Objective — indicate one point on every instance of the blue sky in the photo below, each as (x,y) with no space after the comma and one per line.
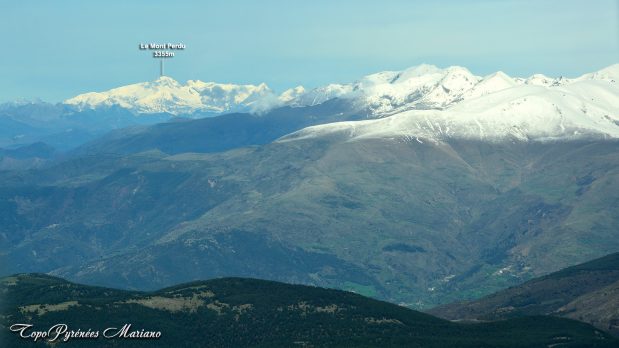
(57,49)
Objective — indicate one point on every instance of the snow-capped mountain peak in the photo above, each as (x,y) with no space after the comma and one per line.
(424,86)
(490,84)
(165,81)
(166,95)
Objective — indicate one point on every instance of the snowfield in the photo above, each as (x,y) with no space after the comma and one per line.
(497,108)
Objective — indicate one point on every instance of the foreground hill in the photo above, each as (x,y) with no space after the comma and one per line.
(588,292)
(236,312)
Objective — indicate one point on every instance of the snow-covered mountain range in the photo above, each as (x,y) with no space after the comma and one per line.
(422,101)
(388,92)
(167,95)
(533,113)
(456,104)
(428,87)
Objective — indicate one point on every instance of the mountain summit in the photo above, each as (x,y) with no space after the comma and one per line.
(166,95)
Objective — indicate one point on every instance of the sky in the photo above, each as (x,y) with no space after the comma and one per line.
(54,50)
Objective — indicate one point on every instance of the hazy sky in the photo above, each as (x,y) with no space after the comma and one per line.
(57,49)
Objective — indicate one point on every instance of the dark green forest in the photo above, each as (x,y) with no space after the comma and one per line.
(240,312)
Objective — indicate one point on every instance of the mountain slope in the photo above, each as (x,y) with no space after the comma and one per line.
(600,308)
(216,134)
(579,110)
(587,292)
(418,223)
(236,312)
(61,126)
(24,157)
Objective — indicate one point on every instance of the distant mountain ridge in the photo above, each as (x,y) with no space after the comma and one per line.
(166,95)
(30,156)
(384,93)
(428,101)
